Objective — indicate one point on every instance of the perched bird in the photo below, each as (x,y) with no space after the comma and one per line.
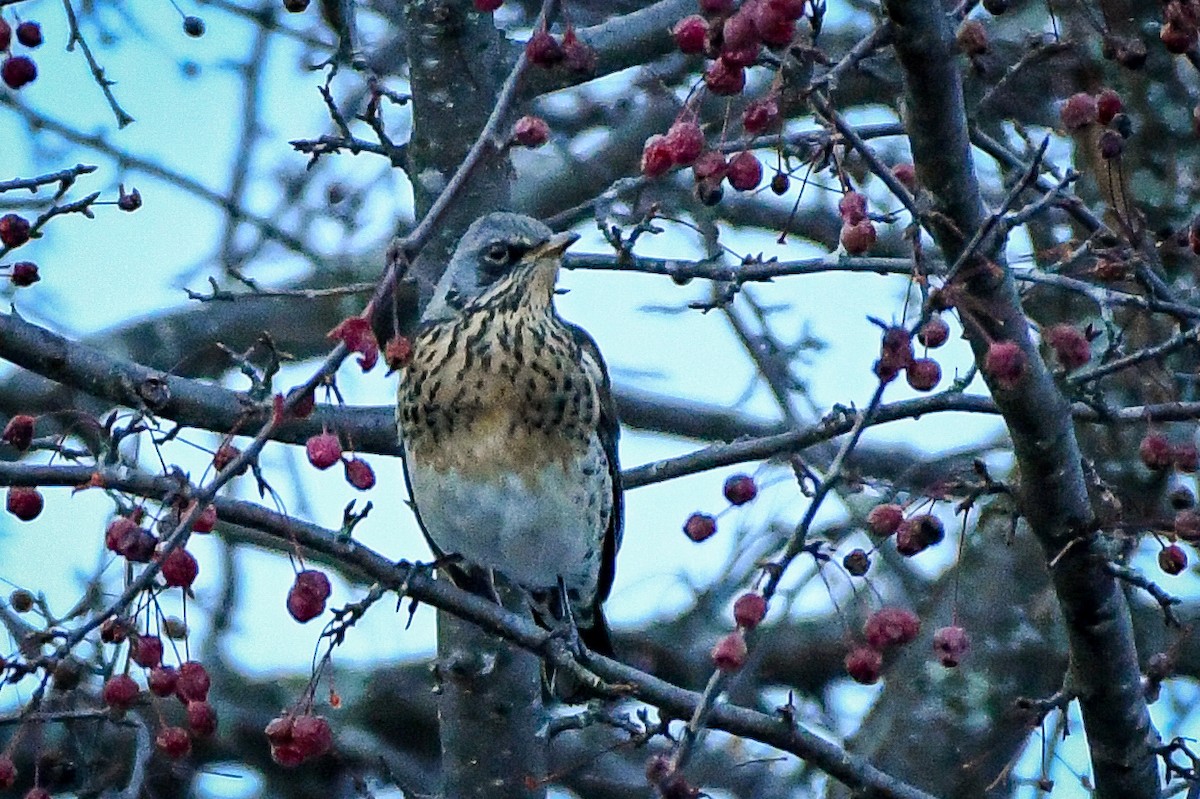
(509,428)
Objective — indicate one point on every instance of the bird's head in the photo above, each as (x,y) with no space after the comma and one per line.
(500,253)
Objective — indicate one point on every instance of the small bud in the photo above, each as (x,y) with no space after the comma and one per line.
(950,644)
(740,489)
(730,652)
(529,131)
(749,610)
(700,527)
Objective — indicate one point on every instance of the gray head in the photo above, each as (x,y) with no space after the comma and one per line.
(490,248)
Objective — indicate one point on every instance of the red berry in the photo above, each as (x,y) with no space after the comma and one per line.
(24,274)
(174,742)
(740,31)
(312,735)
(1155,452)
(853,207)
(700,527)
(488,6)
(543,49)
(856,563)
(780,183)
(1111,145)
(918,533)
(279,729)
(206,521)
(934,333)
(774,26)
(690,34)
(723,78)
(716,8)
(749,610)
(1176,38)
(1108,105)
(202,719)
(792,9)
(5,34)
(730,652)
(1187,525)
(906,174)
(193,682)
(359,474)
(120,692)
(972,38)
(1185,457)
(19,431)
(685,142)
(163,680)
(130,541)
(323,450)
(1005,363)
(146,651)
(1172,559)
(896,347)
(710,166)
(179,570)
(891,627)
(25,502)
(306,598)
(18,71)
(14,229)
(578,55)
(8,770)
(740,489)
(529,131)
(1079,111)
(398,351)
(760,116)
(656,156)
(858,238)
(950,644)
(864,665)
(29,34)
(924,374)
(745,171)
(883,520)
(225,455)
(356,333)
(1070,346)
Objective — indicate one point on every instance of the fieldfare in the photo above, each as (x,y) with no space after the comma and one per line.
(509,427)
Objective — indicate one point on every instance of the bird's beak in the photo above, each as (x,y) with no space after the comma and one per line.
(555,246)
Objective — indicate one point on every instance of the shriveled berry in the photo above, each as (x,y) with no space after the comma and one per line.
(295,6)
(906,174)
(1108,105)
(8,769)
(950,644)
(37,793)
(24,274)
(25,502)
(780,183)
(685,141)
(206,521)
(279,729)
(578,55)
(864,665)
(128,201)
(656,156)
(730,652)
(14,229)
(202,719)
(749,609)
(359,474)
(741,57)
(934,333)
(858,238)
(700,527)
(1070,346)
(225,455)
(1172,559)
(883,520)
(972,38)
(1181,498)
(924,374)
(19,431)
(180,568)
(1005,363)
(146,651)
(114,631)
(853,207)
(856,563)
(312,735)
(21,600)
(68,673)
(18,71)
(120,692)
(740,489)
(1185,457)
(774,25)
(323,450)
(193,683)
(891,627)
(745,171)
(725,79)
(690,34)
(163,680)
(174,742)
(918,533)
(710,165)
(306,598)
(1111,145)
(1079,111)
(396,354)
(5,34)
(1155,452)
(193,26)
(740,31)
(529,131)
(760,116)
(543,49)
(715,8)
(1187,525)
(1176,38)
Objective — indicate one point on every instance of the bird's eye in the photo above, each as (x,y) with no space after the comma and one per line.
(498,253)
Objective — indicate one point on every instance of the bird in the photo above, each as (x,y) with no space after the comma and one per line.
(509,429)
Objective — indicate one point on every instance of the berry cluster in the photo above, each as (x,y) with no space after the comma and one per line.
(18,70)
(739,489)
(544,50)
(1158,454)
(325,449)
(297,738)
(1080,111)
(896,350)
(914,534)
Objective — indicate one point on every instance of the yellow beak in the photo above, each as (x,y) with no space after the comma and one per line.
(553,247)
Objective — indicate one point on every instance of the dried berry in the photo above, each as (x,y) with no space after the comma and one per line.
(18,71)
(883,520)
(193,682)
(1185,457)
(312,735)
(690,34)
(950,644)
(918,533)
(1181,498)
(1079,111)
(21,600)
(306,598)
(529,131)
(24,274)
(543,49)
(724,78)
(1155,452)
(856,563)
(14,229)
(924,374)
(853,207)
(749,610)
(128,201)
(685,142)
(295,6)
(163,680)
(740,31)
(120,692)
(5,34)
(891,627)
(487,6)
(356,333)
(864,665)
(745,171)
(780,184)
(710,166)
(578,55)
(146,651)
(1005,363)
(656,156)
(740,489)
(858,238)
(907,175)
(1187,525)
(206,521)
(972,38)
(174,742)
(24,502)
(8,770)
(323,450)
(1108,105)
(202,719)
(19,431)
(700,527)
(1172,559)
(760,116)
(1111,145)
(714,8)
(179,569)
(1071,347)
(934,333)
(359,474)
(776,28)
(730,652)
(193,26)
(1177,38)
